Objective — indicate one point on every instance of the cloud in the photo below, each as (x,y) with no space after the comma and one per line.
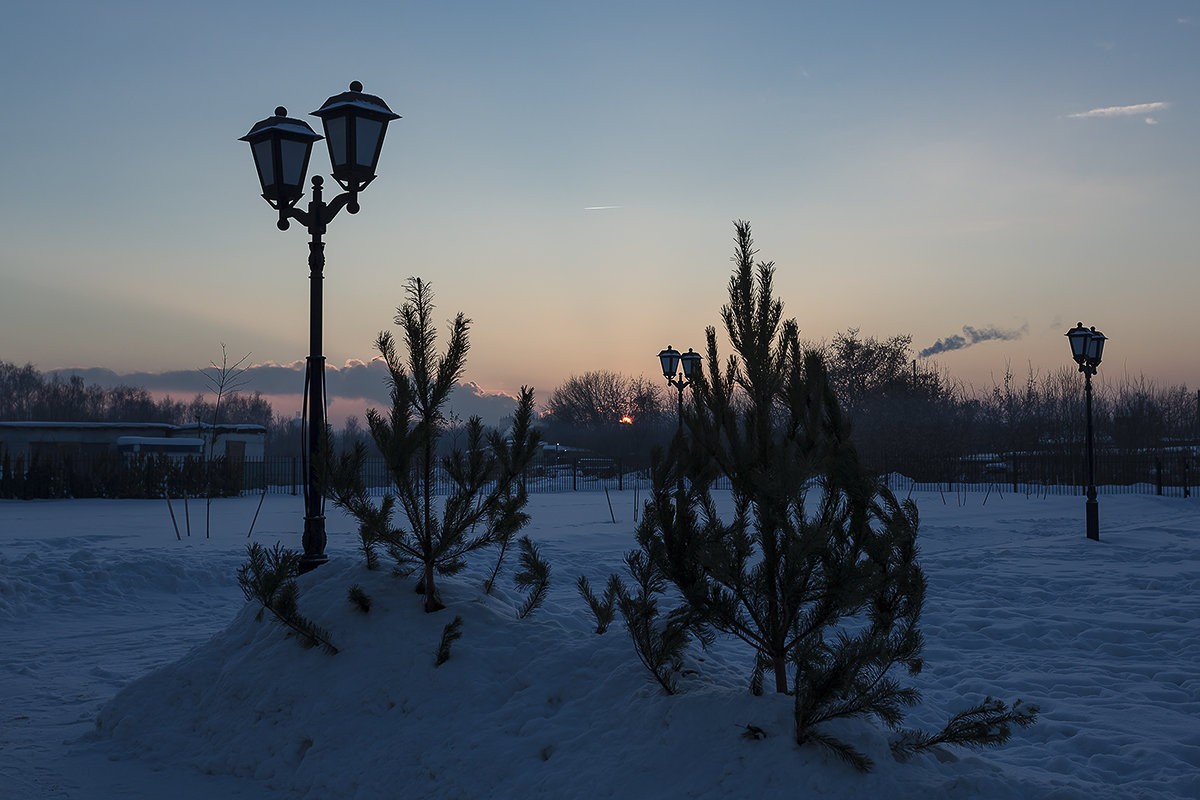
(1121,111)
(600,208)
(355,387)
(972,336)
(1151,121)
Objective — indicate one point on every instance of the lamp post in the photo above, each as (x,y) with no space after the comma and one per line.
(354,124)
(671,360)
(1087,348)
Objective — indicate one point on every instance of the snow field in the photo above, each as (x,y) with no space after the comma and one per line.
(105,616)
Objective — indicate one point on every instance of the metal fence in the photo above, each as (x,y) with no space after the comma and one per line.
(1166,471)
(285,475)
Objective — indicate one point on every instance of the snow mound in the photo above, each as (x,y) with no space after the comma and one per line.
(541,707)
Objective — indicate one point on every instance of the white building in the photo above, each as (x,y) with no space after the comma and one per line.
(39,440)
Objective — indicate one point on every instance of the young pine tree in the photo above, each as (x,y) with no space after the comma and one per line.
(816,570)
(484,503)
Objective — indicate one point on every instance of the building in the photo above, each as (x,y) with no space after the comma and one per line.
(50,440)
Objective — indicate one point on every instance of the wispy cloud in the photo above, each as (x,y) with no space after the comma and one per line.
(600,208)
(972,336)
(1122,111)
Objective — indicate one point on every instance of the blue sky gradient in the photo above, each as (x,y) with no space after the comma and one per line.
(911,168)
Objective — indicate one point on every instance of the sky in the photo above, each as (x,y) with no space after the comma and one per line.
(567,175)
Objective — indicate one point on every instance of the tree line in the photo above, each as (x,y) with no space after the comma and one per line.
(895,403)
(27,395)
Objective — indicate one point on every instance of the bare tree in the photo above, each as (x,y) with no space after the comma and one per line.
(224,380)
(602,398)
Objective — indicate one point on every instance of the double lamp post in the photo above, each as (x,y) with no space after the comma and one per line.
(1087,348)
(671,360)
(355,124)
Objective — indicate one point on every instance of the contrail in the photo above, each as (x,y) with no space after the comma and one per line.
(972,336)
(600,208)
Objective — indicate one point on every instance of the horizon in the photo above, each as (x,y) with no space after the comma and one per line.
(568,175)
(357,386)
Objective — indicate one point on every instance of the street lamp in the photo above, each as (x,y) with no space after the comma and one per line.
(1087,348)
(355,124)
(671,359)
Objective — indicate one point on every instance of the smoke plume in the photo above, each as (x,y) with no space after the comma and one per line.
(972,336)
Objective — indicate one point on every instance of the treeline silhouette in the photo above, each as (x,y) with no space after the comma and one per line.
(900,406)
(903,408)
(28,395)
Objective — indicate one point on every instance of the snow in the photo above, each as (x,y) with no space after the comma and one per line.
(131,666)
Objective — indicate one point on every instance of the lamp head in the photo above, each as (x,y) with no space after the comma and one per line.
(355,124)
(691,364)
(281,146)
(1079,337)
(669,359)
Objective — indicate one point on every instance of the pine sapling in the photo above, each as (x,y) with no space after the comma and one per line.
(603,610)
(534,576)
(816,570)
(451,633)
(439,528)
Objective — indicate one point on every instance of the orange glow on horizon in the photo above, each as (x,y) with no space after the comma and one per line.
(626,420)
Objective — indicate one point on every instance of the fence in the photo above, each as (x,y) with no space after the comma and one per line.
(1167,471)
(286,475)
(113,475)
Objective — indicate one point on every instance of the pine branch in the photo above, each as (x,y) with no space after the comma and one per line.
(837,747)
(359,598)
(988,724)
(604,610)
(658,645)
(269,578)
(451,633)
(534,575)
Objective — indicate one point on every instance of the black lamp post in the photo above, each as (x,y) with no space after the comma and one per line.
(1087,348)
(671,359)
(355,124)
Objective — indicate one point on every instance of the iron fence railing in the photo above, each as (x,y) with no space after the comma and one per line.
(1163,471)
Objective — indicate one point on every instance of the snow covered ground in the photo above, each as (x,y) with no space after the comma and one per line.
(105,616)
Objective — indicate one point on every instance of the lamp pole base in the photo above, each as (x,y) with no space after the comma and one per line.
(1093,518)
(314,544)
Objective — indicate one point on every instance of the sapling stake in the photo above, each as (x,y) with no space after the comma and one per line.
(173,522)
(260,502)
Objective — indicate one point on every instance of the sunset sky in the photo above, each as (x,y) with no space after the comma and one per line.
(567,175)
